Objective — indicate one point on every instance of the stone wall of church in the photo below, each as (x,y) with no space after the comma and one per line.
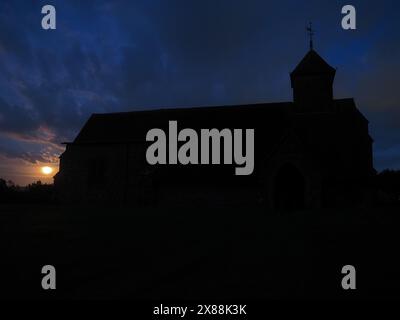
(92,173)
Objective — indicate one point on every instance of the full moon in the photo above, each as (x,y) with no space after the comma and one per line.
(47,170)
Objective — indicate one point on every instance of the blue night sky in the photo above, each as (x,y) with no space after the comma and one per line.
(129,55)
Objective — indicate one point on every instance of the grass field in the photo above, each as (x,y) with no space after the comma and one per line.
(202,253)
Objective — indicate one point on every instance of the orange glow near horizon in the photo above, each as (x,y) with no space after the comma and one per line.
(23,173)
(46,170)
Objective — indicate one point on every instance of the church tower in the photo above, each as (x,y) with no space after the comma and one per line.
(312,80)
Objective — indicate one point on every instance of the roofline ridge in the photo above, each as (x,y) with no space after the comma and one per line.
(191,108)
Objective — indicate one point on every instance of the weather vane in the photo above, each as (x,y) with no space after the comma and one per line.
(310,34)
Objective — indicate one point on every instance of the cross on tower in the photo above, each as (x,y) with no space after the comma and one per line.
(310,34)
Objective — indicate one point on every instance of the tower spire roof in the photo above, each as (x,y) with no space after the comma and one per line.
(312,63)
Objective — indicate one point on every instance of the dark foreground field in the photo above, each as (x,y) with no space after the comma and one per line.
(203,253)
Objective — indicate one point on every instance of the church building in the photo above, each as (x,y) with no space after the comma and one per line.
(312,152)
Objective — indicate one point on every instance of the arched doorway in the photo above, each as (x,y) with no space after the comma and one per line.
(289,189)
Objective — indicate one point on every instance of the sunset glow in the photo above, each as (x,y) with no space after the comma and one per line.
(47,170)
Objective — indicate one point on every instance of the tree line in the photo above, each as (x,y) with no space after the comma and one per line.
(36,192)
(386,184)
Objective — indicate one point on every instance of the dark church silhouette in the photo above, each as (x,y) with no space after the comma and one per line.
(310,153)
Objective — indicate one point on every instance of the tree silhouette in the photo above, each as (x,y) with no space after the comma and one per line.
(36,192)
(388,182)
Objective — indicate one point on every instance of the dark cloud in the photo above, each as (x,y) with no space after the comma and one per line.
(40,154)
